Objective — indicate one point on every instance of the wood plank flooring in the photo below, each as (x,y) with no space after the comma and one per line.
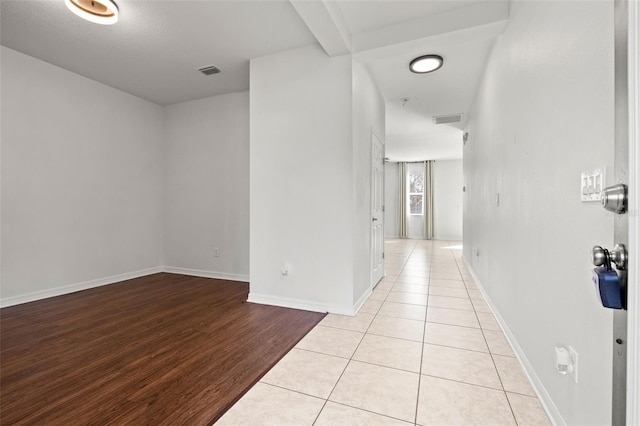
(163,349)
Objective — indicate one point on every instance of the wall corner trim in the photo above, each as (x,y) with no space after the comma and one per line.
(361,301)
(544,397)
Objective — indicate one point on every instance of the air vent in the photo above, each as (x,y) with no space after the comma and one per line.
(209,70)
(444,119)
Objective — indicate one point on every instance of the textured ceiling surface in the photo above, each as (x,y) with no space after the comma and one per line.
(156,48)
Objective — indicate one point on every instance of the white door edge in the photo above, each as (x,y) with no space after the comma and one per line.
(633,355)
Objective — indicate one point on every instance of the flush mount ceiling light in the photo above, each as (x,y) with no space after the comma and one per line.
(426,63)
(103,12)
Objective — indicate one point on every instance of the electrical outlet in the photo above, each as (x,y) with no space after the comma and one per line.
(284,270)
(216,252)
(573,357)
(476,252)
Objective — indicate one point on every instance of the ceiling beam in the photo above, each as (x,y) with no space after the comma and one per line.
(464,18)
(325,21)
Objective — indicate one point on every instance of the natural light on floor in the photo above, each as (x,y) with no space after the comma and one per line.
(424,349)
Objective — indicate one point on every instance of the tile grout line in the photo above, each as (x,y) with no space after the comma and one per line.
(346,366)
(424,333)
(513,414)
(416,250)
(420,373)
(341,374)
(466,383)
(372,412)
(336,384)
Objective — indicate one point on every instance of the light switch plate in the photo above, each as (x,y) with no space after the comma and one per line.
(591,185)
(573,355)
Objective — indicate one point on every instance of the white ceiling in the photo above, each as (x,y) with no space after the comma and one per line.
(410,132)
(155,49)
(370,15)
(462,32)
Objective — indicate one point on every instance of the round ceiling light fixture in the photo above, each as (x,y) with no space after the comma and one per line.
(426,63)
(103,12)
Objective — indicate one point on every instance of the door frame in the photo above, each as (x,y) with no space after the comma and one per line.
(372,284)
(633,296)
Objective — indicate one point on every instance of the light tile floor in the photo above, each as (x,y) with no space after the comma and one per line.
(424,349)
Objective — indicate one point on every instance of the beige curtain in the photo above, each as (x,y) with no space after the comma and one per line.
(402,201)
(428,200)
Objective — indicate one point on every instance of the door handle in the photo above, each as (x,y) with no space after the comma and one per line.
(374,219)
(618,256)
(611,285)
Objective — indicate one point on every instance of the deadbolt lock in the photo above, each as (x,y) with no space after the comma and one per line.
(614,198)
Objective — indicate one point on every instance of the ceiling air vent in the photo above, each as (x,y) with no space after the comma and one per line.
(444,119)
(209,70)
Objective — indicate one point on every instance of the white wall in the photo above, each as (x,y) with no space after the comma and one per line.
(81,181)
(391,200)
(368,116)
(543,114)
(207,186)
(447,200)
(301,180)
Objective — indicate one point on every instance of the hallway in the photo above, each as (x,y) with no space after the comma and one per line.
(424,349)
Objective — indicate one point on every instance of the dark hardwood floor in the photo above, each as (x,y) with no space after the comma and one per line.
(163,349)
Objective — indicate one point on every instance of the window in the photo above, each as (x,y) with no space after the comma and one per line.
(416,196)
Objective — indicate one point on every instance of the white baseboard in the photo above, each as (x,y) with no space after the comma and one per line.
(304,305)
(448,238)
(206,274)
(545,399)
(361,301)
(72,288)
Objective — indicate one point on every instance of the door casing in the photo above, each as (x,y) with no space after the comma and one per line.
(377,209)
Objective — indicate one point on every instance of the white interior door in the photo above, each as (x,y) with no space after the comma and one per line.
(623,169)
(377,209)
(633,301)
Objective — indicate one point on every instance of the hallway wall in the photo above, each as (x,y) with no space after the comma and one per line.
(391,200)
(447,200)
(543,114)
(368,112)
